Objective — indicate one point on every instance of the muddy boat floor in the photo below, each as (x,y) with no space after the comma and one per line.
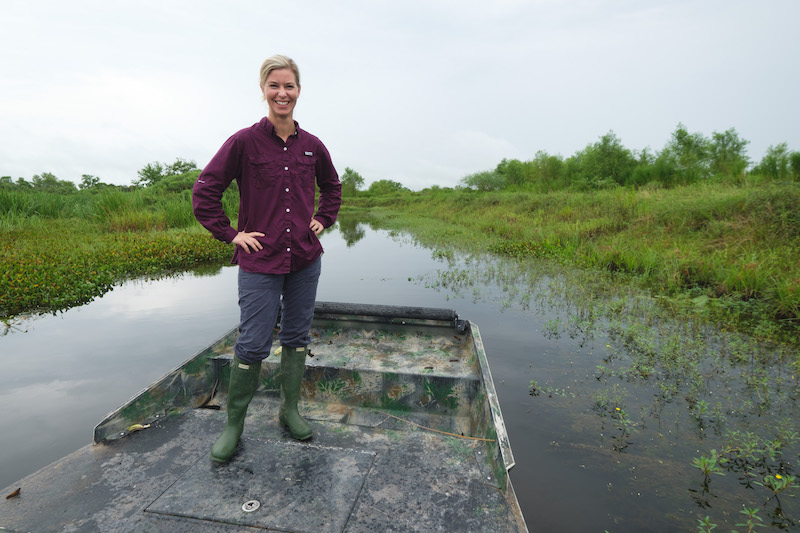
(382,474)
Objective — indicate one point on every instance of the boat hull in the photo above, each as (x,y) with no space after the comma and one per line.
(408,436)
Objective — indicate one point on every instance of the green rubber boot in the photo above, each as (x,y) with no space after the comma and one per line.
(244,382)
(293,363)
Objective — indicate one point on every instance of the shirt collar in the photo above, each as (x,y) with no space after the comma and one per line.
(267,125)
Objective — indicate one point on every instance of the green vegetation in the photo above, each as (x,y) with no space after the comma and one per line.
(686,159)
(61,247)
(730,248)
(58,264)
(351,182)
(708,238)
(690,221)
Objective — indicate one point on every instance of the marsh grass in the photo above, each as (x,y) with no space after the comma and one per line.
(737,245)
(15,207)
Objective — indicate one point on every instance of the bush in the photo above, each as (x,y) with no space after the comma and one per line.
(485,181)
(385,187)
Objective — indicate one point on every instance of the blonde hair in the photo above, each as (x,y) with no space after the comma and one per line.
(274,63)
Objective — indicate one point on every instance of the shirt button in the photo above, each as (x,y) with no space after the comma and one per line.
(284,148)
(285,168)
(288,249)
(288,230)
(286,189)
(287,209)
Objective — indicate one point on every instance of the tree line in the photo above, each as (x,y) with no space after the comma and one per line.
(687,158)
(175,176)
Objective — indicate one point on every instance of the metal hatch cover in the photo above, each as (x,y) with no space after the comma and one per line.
(274,485)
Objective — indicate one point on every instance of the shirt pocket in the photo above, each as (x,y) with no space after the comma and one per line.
(264,171)
(306,167)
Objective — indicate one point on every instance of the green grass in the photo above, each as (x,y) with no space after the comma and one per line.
(738,246)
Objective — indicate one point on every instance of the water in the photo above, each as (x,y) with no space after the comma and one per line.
(576,469)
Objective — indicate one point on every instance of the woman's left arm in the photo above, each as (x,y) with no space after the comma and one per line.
(330,191)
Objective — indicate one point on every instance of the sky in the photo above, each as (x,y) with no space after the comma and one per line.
(423,92)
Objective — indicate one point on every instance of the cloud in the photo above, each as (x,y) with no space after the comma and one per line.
(420,92)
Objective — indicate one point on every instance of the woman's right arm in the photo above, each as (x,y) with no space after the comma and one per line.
(210,186)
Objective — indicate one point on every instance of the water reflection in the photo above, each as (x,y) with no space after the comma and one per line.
(351,230)
(11,325)
(607,397)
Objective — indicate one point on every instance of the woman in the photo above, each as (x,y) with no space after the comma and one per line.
(276,165)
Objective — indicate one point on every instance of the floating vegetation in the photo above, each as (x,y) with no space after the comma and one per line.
(68,263)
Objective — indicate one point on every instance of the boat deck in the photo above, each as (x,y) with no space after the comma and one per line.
(347,478)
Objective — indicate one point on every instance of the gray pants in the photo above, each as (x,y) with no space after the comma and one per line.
(259,302)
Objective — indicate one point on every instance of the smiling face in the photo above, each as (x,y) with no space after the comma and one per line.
(281,91)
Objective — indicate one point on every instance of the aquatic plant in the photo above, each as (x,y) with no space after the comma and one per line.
(724,380)
(61,264)
(709,464)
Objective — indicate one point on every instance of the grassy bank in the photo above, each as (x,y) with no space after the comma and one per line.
(732,249)
(724,247)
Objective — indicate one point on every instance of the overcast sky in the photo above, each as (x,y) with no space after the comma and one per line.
(420,92)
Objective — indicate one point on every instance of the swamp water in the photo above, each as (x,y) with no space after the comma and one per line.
(612,406)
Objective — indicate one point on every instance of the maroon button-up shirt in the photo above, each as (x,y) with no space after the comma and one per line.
(276,196)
